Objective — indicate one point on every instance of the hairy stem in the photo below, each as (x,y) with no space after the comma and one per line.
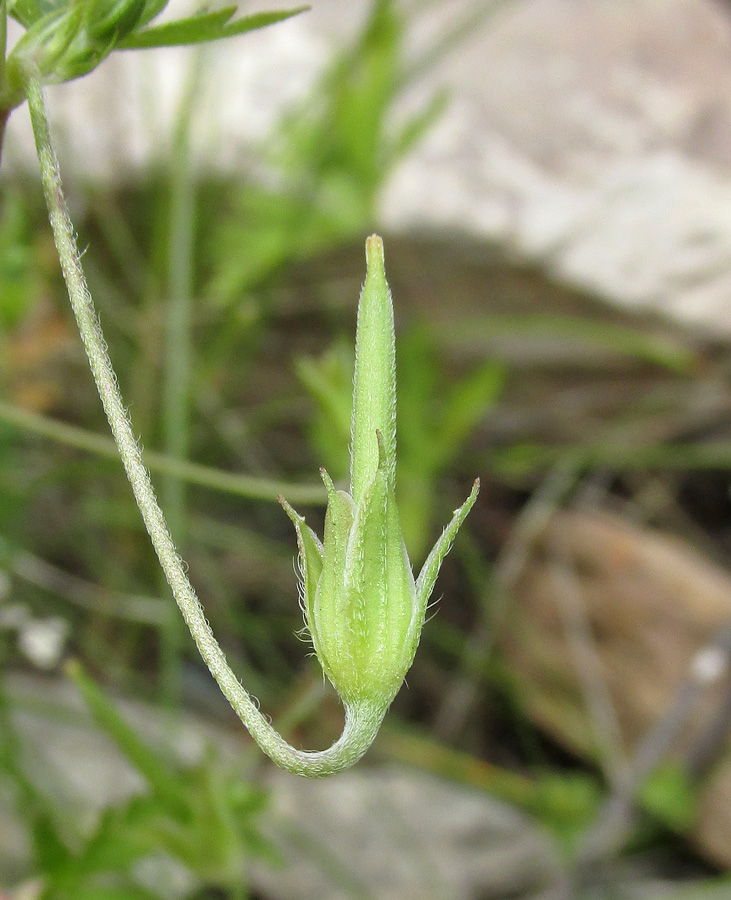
(362,720)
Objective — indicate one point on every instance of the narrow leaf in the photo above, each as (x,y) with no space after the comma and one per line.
(428,575)
(153,8)
(190,30)
(199,29)
(468,402)
(310,559)
(161,777)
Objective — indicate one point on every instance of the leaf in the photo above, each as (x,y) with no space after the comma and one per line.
(101,893)
(670,796)
(153,8)
(428,575)
(191,30)
(565,803)
(310,562)
(113,21)
(27,11)
(467,404)
(207,27)
(418,125)
(162,778)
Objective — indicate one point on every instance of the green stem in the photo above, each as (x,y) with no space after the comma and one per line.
(362,720)
(3,39)
(4,110)
(249,486)
(4,116)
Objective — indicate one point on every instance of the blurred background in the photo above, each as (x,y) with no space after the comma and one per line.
(552,179)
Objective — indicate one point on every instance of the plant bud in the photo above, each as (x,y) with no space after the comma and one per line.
(363,609)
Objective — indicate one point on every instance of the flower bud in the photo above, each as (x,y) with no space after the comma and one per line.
(363,609)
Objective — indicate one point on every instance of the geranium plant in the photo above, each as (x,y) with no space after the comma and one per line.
(363,607)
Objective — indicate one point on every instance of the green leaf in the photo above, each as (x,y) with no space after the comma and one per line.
(330,382)
(161,777)
(468,403)
(670,796)
(428,575)
(153,8)
(565,803)
(207,27)
(310,561)
(113,20)
(27,11)
(190,30)
(417,126)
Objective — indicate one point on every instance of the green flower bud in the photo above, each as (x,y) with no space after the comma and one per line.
(362,606)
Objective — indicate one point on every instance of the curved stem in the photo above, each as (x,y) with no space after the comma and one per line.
(361,719)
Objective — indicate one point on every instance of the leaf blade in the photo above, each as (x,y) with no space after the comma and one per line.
(203,28)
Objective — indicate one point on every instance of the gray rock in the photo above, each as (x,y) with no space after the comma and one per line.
(396,834)
(371,832)
(593,136)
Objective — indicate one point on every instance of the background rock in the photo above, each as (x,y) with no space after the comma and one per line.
(616,632)
(376,832)
(590,135)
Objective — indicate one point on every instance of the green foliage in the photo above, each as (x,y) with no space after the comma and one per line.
(19,265)
(670,797)
(202,28)
(202,816)
(332,155)
(566,803)
(65,39)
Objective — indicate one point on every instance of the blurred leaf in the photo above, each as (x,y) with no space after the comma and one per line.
(330,158)
(207,27)
(671,797)
(467,404)
(566,802)
(199,815)
(113,19)
(418,126)
(19,282)
(29,11)
(107,893)
(161,777)
(329,381)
